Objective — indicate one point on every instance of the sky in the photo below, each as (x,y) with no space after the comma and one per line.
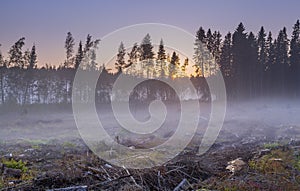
(45,23)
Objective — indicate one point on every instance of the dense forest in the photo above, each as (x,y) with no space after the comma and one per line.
(253,66)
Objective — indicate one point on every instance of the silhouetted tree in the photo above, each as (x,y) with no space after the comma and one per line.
(33,58)
(93,65)
(209,40)
(200,35)
(161,59)
(226,57)
(69,46)
(146,48)
(295,58)
(16,55)
(28,77)
(174,65)
(200,43)
(120,62)
(262,58)
(89,53)
(147,55)
(270,49)
(79,56)
(216,49)
(253,69)
(240,62)
(281,64)
(214,45)
(133,57)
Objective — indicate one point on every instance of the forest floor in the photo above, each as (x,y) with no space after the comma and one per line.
(255,150)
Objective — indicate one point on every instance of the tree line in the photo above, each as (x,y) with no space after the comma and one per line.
(253,65)
(261,65)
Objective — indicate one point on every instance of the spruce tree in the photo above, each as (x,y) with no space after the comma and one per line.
(239,55)
(254,70)
(146,48)
(161,60)
(133,57)
(200,35)
(147,55)
(79,56)
(15,54)
(33,58)
(89,53)
(269,68)
(161,54)
(216,48)
(69,46)
(120,62)
(262,58)
(200,49)
(174,65)
(281,67)
(226,57)
(28,78)
(295,58)
(261,43)
(209,40)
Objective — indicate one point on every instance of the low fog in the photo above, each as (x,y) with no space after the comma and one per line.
(245,121)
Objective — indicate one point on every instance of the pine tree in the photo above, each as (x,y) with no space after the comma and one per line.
(295,58)
(120,62)
(93,66)
(209,40)
(161,54)
(240,62)
(88,44)
(133,57)
(214,46)
(26,59)
(202,58)
(33,58)
(199,47)
(200,35)
(89,53)
(16,55)
(174,65)
(161,60)
(216,49)
(281,65)
(146,48)
(147,55)
(226,56)
(261,43)
(15,74)
(79,56)
(270,49)
(262,58)
(28,78)
(254,71)
(69,46)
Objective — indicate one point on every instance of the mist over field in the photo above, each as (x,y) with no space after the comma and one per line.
(261,120)
(94,97)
